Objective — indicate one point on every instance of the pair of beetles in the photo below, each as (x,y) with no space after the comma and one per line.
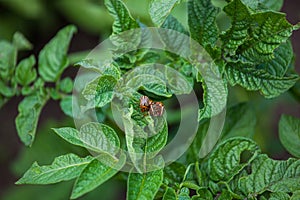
(155,109)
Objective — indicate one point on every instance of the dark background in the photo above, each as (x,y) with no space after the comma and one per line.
(39,22)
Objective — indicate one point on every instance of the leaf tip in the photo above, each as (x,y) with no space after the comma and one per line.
(54,130)
(19,182)
(72,28)
(296,26)
(74,195)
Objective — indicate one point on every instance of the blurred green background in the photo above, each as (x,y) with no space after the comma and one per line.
(39,20)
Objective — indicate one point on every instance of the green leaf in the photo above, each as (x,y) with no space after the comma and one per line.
(63,168)
(215,92)
(279,196)
(100,68)
(249,35)
(225,195)
(193,178)
(296,195)
(8,57)
(6,91)
(173,40)
(54,93)
(66,85)
(280,64)
(39,84)
(272,5)
(66,105)
(172,23)
(191,185)
(159,81)
(240,121)
(100,90)
(25,71)
(289,134)
(160,9)
(27,119)
(202,22)
(202,179)
(258,80)
(251,4)
(184,67)
(233,184)
(214,187)
(94,136)
(27,90)
(143,186)
(20,42)
(150,83)
(204,192)
(123,20)
(174,173)
(177,82)
(144,141)
(271,175)
(264,4)
(145,38)
(94,174)
(225,161)
(170,194)
(261,46)
(130,134)
(53,57)
(206,111)
(156,142)
(194,150)
(150,57)
(238,32)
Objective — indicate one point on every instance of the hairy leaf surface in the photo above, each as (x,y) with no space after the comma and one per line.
(160,9)
(225,161)
(95,174)
(27,119)
(271,175)
(25,72)
(202,22)
(63,168)
(289,134)
(123,20)
(259,80)
(143,186)
(94,136)
(53,57)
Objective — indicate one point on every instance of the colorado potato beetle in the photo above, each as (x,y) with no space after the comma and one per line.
(155,109)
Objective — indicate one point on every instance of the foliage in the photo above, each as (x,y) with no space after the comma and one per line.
(22,79)
(254,53)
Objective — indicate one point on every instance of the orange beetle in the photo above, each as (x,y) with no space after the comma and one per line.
(145,103)
(155,109)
